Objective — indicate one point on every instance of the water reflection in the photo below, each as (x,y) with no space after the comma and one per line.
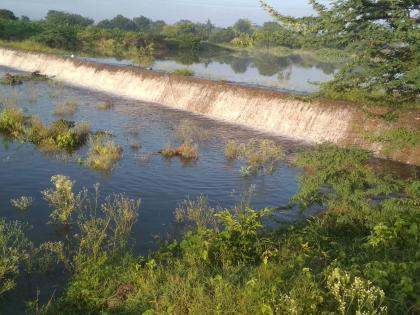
(293,72)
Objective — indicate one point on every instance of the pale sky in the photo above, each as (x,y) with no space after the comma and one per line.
(220,12)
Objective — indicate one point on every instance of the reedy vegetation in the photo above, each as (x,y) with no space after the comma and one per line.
(360,256)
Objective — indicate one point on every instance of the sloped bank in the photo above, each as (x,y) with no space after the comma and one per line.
(264,110)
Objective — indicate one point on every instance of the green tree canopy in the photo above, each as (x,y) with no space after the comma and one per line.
(385,37)
(67,19)
(7,15)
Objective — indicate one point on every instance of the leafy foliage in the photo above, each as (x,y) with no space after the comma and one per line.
(385,38)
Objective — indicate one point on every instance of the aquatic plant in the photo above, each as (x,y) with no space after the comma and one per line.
(16,79)
(103,153)
(67,108)
(61,135)
(61,199)
(22,203)
(15,249)
(12,122)
(185,152)
(258,155)
(105,105)
(188,132)
(183,72)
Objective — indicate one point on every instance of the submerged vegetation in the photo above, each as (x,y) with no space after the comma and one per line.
(258,155)
(67,108)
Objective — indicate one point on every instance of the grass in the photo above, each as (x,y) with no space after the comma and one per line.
(68,108)
(29,45)
(183,72)
(258,155)
(103,154)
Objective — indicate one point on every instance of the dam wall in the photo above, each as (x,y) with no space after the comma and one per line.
(264,110)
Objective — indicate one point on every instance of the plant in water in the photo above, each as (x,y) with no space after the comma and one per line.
(22,203)
(68,108)
(61,199)
(105,105)
(185,152)
(258,155)
(12,122)
(103,153)
(15,249)
(189,132)
(183,72)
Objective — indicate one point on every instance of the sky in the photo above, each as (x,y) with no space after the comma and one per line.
(220,12)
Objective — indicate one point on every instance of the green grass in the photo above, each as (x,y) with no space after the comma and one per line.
(183,72)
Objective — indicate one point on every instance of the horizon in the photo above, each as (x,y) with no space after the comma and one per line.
(220,13)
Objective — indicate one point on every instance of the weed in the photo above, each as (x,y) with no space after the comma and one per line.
(62,199)
(22,203)
(15,249)
(67,108)
(103,154)
(258,155)
(12,122)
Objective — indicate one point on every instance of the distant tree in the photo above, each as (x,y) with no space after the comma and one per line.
(184,33)
(63,37)
(273,34)
(7,15)
(158,26)
(143,23)
(68,19)
(119,22)
(222,35)
(385,37)
(244,26)
(24,18)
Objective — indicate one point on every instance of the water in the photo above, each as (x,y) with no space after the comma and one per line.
(296,72)
(160,183)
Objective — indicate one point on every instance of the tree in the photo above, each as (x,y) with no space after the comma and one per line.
(243,26)
(7,15)
(119,22)
(385,37)
(143,23)
(67,19)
